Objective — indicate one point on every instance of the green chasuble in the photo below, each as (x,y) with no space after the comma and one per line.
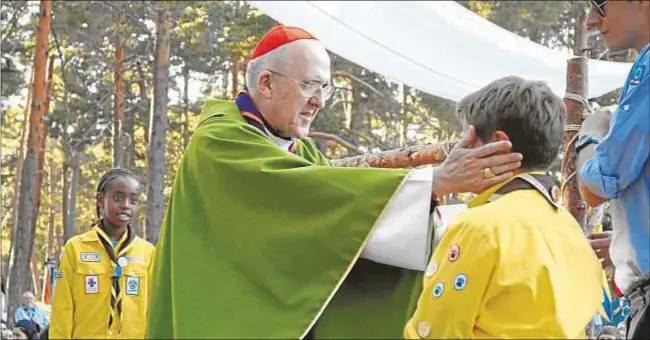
(260,243)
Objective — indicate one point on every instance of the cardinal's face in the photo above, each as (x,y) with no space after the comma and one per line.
(301,91)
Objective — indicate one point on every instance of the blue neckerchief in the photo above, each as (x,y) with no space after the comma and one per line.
(254,117)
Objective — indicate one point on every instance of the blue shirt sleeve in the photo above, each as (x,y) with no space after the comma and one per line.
(621,155)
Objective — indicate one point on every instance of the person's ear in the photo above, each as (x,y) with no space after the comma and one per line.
(264,84)
(99,199)
(499,136)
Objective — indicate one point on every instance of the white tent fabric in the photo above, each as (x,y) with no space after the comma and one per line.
(438,47)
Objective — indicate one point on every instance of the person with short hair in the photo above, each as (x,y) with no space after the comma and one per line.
(614,160)
(30,311)
(263,238)
(515,265)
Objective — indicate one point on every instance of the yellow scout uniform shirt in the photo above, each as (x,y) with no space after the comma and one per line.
(81,305)
(514,268)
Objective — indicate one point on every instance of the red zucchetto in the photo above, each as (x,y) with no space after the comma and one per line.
(279,36)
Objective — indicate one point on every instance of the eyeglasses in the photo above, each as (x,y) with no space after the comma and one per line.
(310,89)
(599,6)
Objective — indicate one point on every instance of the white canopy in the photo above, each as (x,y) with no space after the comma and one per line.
(438,47)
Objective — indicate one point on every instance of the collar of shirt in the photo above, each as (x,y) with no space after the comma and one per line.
(488,194)
(254,116)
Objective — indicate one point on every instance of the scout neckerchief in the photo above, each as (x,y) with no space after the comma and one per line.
(544,184)
(116,254)
(254,117)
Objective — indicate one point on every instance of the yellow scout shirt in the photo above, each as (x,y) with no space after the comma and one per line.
(512,268)
(81,305)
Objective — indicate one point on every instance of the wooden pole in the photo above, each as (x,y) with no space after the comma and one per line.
(406,157)
(576,88)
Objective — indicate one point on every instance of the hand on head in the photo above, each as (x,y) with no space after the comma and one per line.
(464,168)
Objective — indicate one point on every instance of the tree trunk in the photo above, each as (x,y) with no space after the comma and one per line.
(34,275)
(137,227)
(19,280)
(19,170)
(245,69)
(118,147)
(405,116)
(43,137)
(59,242)
(68,230)
(224,84)
(357,114)
(580,47)
(74,188)
(159,125)
(129,147)
(144,105)
(235,75)
(54,177)
(186,106)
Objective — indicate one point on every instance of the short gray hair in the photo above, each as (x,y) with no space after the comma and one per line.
(527,111)
(258,65)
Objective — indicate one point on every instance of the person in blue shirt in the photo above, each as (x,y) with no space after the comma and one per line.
(31,312)
(613,159)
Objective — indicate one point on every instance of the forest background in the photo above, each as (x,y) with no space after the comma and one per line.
(98,84)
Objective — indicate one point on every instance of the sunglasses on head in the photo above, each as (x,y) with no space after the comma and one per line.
(599,6)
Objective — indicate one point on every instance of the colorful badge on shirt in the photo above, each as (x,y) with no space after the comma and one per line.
(438,289)
(454,253)
(132,285)
(122,261)
(460,281)
(90,257)
(637,75)
(424,329)
(555,193)
(92,284)
(431,269)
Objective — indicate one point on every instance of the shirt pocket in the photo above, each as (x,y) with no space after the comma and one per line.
(135,300)
(91,279)
(136,279)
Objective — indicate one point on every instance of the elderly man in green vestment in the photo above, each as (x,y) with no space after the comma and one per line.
(262,238)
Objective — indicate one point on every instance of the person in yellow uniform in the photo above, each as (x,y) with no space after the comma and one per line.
(515,265)
(102,280)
